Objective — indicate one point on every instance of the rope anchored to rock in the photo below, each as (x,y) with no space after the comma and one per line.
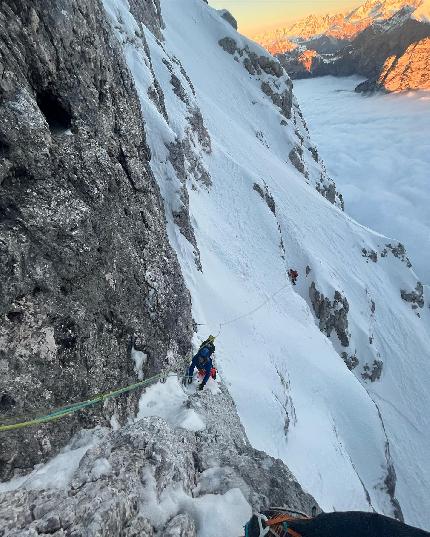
(75,407)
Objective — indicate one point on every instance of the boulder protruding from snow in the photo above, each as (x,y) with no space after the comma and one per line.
(332,315)
(226,15)
(416,298)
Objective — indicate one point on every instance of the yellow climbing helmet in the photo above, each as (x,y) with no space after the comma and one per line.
(210,340)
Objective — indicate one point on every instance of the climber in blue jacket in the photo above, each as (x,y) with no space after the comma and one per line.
(203,361)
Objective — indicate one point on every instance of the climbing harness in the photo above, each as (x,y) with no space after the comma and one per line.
(75,407)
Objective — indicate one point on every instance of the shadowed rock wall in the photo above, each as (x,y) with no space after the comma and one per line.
(86,270)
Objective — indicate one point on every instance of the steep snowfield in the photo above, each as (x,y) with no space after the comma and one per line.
(382,171)
(281,370)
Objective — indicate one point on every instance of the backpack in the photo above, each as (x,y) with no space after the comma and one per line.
(209,345)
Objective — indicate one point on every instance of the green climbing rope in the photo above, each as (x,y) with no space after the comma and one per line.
(71,409)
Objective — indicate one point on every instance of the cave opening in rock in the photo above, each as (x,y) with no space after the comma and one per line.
(4,149)
(7,402)
(56,115)
(15,316)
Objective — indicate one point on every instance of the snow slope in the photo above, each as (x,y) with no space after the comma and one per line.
(295,395)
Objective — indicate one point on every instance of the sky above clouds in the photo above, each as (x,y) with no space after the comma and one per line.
(255,15)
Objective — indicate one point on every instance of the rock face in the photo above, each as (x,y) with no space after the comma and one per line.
(149,13)
(332,315)
(416,298)
(147,478)
(229,18)
(373,373)
(266,196)
(86,270)
(410,71)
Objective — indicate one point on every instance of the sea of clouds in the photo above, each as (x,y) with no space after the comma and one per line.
(377,149)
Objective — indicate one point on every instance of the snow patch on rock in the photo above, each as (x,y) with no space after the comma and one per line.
(168,400)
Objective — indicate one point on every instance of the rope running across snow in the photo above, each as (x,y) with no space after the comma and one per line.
(247,313)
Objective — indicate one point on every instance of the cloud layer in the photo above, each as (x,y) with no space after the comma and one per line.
(378,151)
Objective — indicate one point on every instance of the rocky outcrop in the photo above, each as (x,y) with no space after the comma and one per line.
(278,89)
(181,217)
(255,64)
(350,360)
(85,263)
(373,372)
(410,71)
(332,315)
(369,254)
(398,250)
(228,44)
(226,15)
(415,298)
(282,100)
(148,13)
(147,479)
(295,157)
(266,196)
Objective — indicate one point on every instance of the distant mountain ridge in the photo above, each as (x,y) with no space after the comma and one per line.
(340,26)
(380,40)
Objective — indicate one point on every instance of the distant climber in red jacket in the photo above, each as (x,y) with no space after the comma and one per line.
(293,275)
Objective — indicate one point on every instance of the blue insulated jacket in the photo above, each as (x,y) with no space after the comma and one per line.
(202,360)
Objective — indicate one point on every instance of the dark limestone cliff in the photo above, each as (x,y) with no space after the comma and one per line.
(86,270)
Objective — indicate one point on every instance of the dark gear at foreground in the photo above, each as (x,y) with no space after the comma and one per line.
(346,524)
